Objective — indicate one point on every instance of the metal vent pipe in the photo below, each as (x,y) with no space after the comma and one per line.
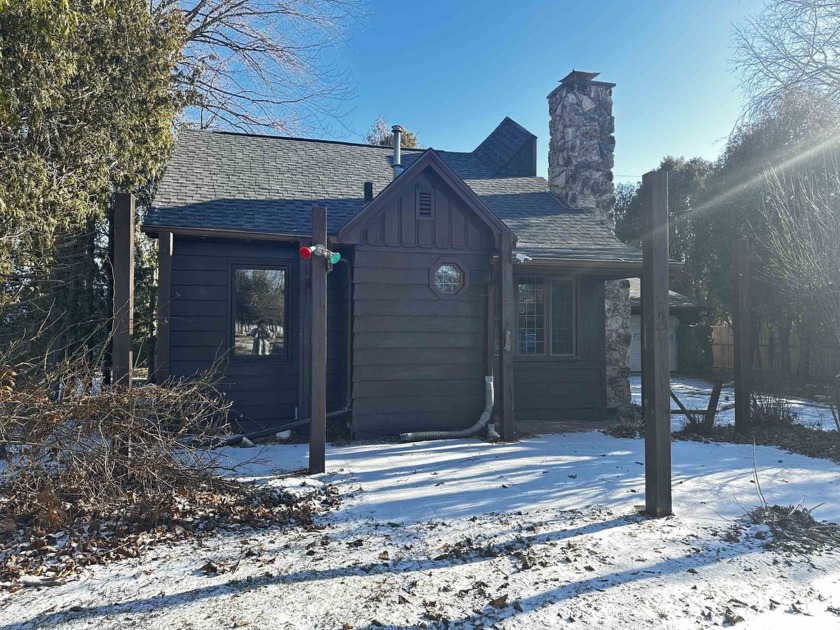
(397,165)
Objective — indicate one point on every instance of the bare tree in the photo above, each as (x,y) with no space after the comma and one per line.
(802,212)
(380,134)
(791,45)
(258,64)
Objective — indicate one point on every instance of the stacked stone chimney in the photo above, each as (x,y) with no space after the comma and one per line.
(580,161)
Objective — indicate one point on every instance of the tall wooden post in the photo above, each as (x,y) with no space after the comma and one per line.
(318,347)
(655,370)
(741,332)
(123,307)
(165,250)
(507,335)
(305,336)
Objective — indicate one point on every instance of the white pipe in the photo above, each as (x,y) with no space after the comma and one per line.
(463,433)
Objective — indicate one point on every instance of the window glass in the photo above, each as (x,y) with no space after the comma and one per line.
(449,279)
(531,311)
(259,312)
(562,317)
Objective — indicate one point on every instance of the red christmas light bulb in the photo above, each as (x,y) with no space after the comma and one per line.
(306,253)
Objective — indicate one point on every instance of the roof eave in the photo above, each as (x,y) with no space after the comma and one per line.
(617,268)
(245,235)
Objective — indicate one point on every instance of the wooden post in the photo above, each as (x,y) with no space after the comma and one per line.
(305,335)
(655,369)
(507,337)
(165,250)
(741,332)
(711,410)
(318,347)
(123,307)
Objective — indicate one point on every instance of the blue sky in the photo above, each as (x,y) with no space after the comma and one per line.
(450,71)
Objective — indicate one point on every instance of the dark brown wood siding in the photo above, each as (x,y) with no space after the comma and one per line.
(558,388)
(263,391)
(418,358)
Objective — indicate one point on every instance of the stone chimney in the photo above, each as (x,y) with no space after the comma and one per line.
(580,160)
(582,146)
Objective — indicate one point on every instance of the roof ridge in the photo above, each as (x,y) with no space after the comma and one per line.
(520,126)
(243,134)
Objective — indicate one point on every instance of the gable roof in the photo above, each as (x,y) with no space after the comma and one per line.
(676,301)
(267,185)
(432,160)
(502,144)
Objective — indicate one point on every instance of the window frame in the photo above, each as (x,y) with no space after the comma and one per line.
(548,298)
(233,267)
(465,274)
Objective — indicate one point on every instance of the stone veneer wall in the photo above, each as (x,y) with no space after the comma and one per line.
(580,161)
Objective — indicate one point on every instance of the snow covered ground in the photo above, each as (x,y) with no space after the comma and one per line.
(542,533)
(694,394)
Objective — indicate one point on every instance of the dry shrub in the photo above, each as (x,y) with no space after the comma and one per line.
(75,448)
(770,410)
(629,424)
(794,529)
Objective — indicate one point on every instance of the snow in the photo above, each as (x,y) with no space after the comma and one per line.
(436,531)
(694,393)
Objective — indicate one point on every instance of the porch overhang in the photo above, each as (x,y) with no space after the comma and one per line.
(607,269)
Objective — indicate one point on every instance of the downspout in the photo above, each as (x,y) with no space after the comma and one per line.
(486,416)
(348,404)
(463,433)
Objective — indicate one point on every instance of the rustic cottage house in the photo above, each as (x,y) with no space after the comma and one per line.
(454,266)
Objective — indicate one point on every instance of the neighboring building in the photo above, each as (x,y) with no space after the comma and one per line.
(681,309)
(415,301)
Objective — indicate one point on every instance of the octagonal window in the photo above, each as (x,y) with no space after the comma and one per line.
(448,278)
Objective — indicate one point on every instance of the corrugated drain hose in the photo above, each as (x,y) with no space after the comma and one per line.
(463,433)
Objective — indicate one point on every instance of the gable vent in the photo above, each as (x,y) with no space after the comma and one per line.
(424,204)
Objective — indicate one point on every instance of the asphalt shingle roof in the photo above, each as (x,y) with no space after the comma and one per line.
(267,184)
(499,147)
(675,300)
(228,181)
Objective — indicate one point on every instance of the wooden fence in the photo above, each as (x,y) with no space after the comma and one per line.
(723,347)
(821,364)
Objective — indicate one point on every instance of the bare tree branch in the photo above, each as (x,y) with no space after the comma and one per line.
(792,45)
(253,65)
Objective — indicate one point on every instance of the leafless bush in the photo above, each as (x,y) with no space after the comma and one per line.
(630,423)
(74,448)
(699,424)
(770,410)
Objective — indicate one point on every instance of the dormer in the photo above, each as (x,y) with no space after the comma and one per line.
(510,150)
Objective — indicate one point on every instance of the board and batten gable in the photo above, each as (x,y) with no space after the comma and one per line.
(263,391)
(418,356)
